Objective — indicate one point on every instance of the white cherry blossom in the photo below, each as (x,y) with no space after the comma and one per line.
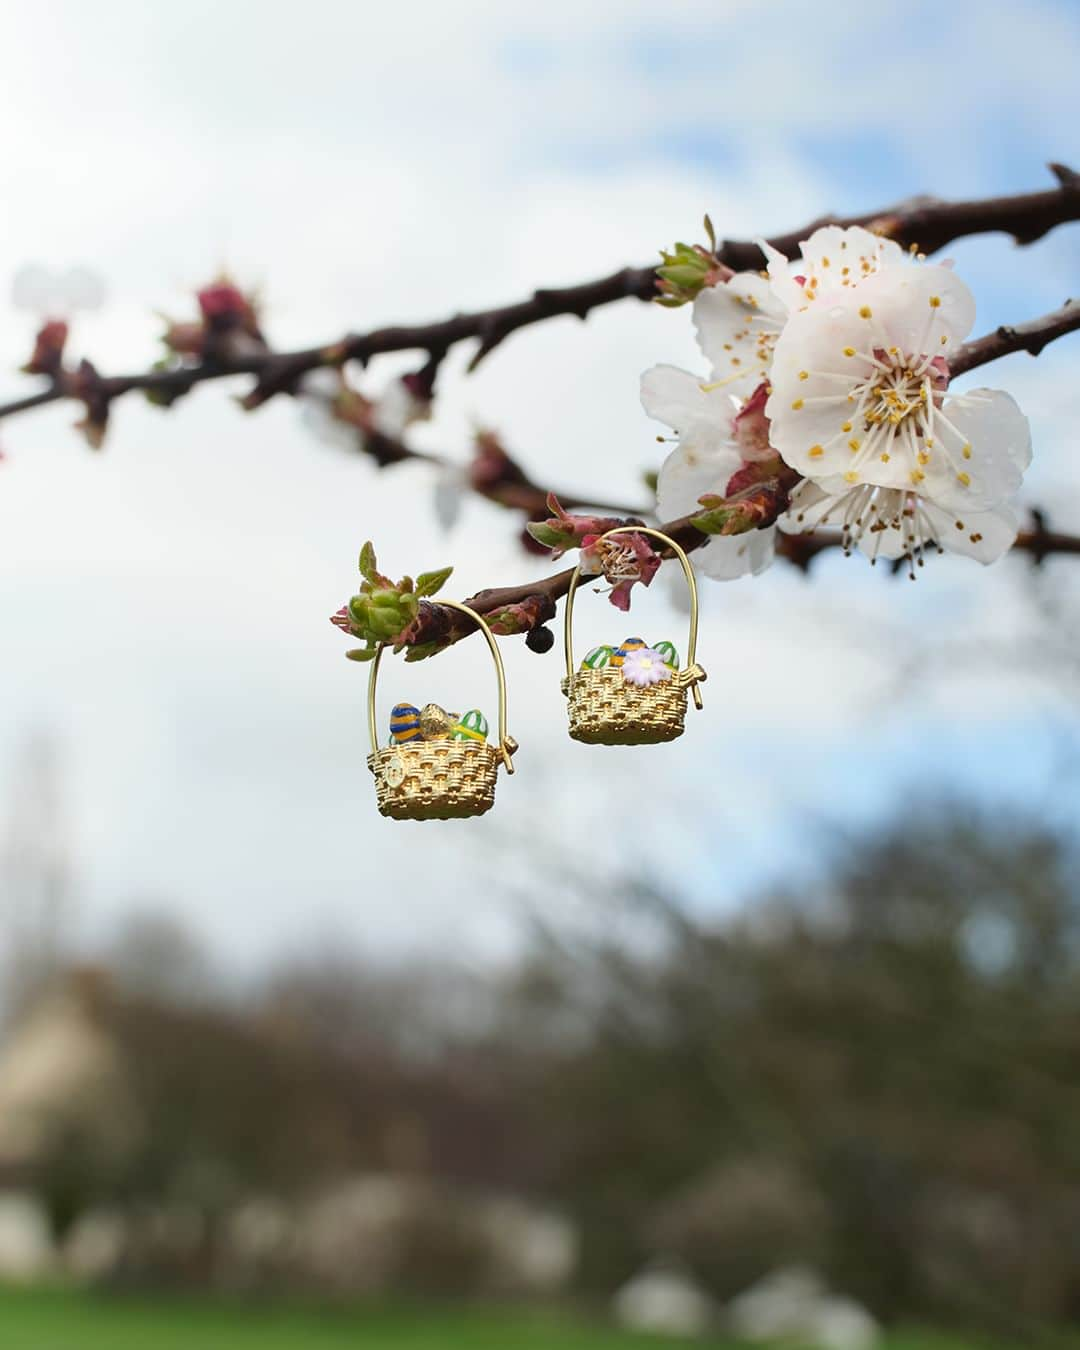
(858,395)
(705,459)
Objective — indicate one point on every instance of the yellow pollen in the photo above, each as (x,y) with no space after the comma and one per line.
(966,452)
(885,457)
(964,478)
(846,426)
(854,443)
(923,457)
(935,301)
(804,374)
(944,340)
(865,312)
(816,451)
(851,476)
(930,442)
(849,351)
(797,404)
(917,475)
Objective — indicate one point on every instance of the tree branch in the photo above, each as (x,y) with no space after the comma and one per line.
(925,221)
(801,550)
(1030,337)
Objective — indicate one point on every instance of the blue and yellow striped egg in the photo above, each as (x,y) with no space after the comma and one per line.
(668,652)
(631,644)
(598,658)
(404,724)
(471,726)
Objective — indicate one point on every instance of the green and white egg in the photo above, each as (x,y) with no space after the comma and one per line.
(668,652)
(598,658)
(471,726)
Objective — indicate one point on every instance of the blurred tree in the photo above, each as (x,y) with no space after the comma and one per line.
(878,1076)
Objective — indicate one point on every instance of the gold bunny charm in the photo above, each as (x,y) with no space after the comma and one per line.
(435,723)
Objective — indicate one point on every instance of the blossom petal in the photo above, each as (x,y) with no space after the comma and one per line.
(889,525)
(982,535)
(986,444)
(691,470)
(737,324)
(673,396)
(726,557)
(837,255)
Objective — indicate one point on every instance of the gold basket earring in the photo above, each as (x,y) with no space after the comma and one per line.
(605,707)
(447,778)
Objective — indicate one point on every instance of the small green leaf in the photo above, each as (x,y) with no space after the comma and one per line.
(545,534)
(361,653)
(430,583)
(367,563)
(422,650)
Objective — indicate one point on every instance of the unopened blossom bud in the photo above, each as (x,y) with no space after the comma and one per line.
(756,508)
(232,332)
(562,531)
(86,384)
(686,272)
(381,615)
(491,466)
(47,357)
(224,305)
(185,339)
(523,617)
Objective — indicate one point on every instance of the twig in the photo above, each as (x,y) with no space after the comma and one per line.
(925,221)
(1029,337)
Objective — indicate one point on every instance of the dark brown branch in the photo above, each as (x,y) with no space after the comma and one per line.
(1029,337)
(928,222)
(932,224)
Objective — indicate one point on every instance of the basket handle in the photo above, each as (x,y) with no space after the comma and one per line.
(692,673)
(507,744)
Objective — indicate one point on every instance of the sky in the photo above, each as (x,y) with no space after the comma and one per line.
(164,604)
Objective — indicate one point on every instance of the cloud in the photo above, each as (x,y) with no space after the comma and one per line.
(164,605)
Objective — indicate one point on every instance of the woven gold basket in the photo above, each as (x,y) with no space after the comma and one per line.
(604,709)
(443,779)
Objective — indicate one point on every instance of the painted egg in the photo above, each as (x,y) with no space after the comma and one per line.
(631,644)
(435,722)
(668,652)
(598,658)
(472,726)
(404,723)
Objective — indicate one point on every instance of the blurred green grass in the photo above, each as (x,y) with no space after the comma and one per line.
(47,1319)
